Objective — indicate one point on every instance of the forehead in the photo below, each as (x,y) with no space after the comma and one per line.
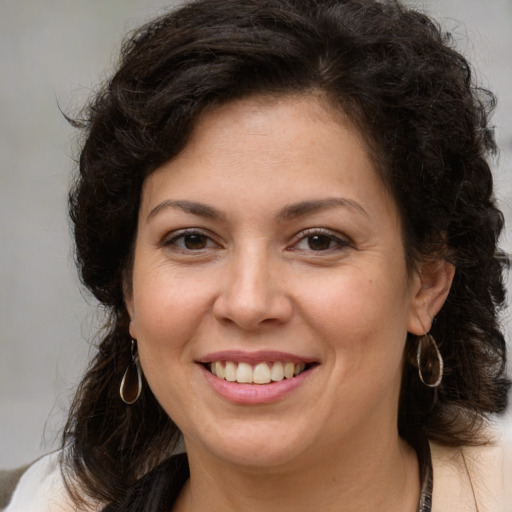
(251,146)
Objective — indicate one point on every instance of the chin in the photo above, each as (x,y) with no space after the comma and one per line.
(260,456)
(254,448)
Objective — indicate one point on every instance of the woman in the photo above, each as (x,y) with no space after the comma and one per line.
(287,210)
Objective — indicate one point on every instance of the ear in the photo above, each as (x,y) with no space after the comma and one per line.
(128,302)
(432,283)
(133,330)
(129,307)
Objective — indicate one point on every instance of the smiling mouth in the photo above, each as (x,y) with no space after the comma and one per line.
(260,373)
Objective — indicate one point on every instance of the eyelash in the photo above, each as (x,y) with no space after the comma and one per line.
(339,242)
(304,236)
(181,235)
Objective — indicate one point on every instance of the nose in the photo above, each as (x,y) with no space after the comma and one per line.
(253,292)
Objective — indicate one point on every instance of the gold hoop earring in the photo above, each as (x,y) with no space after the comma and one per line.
(433,364)
(131,383)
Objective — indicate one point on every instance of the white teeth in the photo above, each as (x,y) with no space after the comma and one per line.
(230,371)
(299,368)
(277,372)
(244,373)
(289,370)
(219,370)
(261,373)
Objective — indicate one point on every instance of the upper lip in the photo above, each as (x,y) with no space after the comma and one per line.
(240,356)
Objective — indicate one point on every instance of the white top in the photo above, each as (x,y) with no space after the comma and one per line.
(41,489)
(466,479)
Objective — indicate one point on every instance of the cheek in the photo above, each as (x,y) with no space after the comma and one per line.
(166,311)
(166,316)
(364,318)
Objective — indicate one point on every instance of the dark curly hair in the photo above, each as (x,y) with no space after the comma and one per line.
(395,74)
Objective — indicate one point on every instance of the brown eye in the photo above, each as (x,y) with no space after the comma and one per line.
(190,241)
(194,242)
(319,242)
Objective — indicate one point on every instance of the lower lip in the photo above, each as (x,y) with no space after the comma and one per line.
(255,393)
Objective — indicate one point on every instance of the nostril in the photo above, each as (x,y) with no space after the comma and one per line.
(252,311)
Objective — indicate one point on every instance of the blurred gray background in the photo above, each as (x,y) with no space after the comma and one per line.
(52,55)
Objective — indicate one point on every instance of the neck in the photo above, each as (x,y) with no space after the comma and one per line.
(382,475)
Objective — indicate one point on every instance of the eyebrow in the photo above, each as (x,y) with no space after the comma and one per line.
(289,212)
(296,210)
(199,209)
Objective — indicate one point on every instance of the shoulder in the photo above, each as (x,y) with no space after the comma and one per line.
(8,481)
(472,478)
(38,487)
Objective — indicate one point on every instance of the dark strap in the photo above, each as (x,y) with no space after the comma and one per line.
(422,447)
(158,490)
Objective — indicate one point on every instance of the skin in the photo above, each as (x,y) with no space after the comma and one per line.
(252,278)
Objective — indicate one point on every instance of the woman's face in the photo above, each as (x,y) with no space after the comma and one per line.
(270,247)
